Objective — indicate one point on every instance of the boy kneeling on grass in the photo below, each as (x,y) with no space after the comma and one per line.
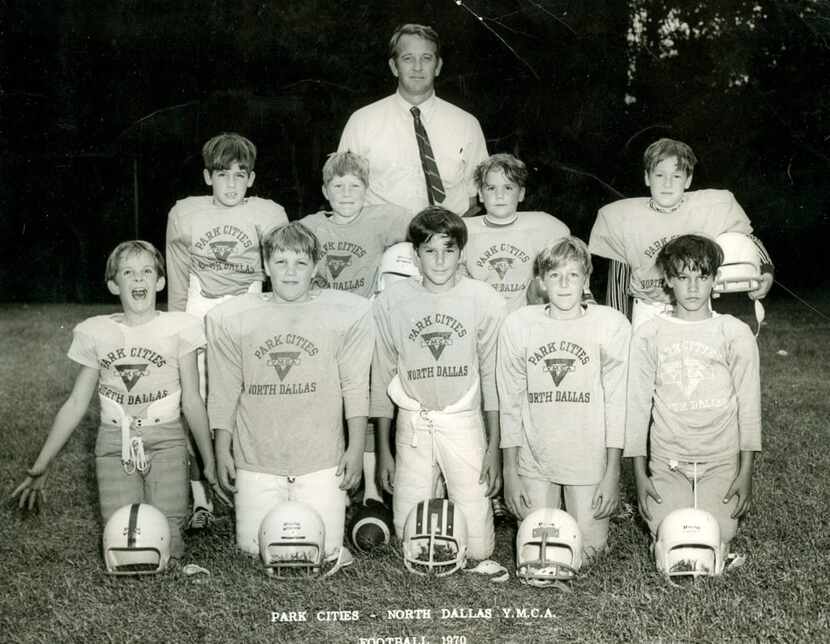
(694,398)
(285,366)
(142,363)
(561,374)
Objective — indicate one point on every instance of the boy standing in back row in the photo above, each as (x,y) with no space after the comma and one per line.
(214,252)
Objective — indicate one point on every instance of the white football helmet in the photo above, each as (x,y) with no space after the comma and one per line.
(136,541)
(435,538)
(397,263)
(741,267)
(688,544)
(548,548)
(292,540)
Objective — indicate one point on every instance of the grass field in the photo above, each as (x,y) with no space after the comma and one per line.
(53,587)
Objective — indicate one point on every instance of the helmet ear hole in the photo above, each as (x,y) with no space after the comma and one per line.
(548,548)
(435,538)
(292,541)
(136,541)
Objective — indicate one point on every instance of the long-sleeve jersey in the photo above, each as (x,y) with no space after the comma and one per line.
(220,246)
(137,365)
(352,251)
(562,388)
(439,344)
(703,382)
(503,256)
(630,231)
(282,374)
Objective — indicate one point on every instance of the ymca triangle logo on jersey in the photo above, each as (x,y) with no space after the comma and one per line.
(501,265)
(336,264)
(436,342)
(558,368)
(282,361)
(686,373)
(222,249)
(131,373)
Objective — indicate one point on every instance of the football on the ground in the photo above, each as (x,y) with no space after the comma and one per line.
(371,526)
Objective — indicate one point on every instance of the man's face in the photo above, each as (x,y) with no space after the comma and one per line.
(437,259)
(346,195)
(229,186)
(415,65)
(291,274)
(500,195)
(667,182)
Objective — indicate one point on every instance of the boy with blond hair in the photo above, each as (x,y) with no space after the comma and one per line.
(562,384)
(142,363)
(287,366)
(214,251)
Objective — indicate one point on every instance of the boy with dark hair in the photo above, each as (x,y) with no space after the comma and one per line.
(562,385)
(214,251)
(142,363)
(435,359)
(286,366)
(504,242)
(694,397)
(630,232)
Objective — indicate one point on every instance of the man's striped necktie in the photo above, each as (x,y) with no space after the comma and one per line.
(435,188)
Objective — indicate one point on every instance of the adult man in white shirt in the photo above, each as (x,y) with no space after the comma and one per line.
(422,150)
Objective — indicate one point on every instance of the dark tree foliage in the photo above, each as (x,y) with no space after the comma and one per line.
(105,106)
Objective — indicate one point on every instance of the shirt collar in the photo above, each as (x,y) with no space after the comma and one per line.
(427,107)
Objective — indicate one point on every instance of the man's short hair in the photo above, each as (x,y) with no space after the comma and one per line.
(436,220)
(690,252)
(410,29)
(663,149)
(566,249)
(220,152)
(293,237)
(132,247)
(514,169)
(339,164)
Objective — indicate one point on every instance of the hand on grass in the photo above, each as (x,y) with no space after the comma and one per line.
(351,468)
(31,491)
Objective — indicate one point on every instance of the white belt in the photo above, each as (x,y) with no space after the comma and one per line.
(165,410)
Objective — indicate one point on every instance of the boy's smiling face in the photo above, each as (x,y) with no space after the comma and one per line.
(136,283)
(346,194)
(500,195)
(564,284)
(229,185)
(437,259)
(291,274)
(667,183)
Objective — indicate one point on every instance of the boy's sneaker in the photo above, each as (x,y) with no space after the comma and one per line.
(201,518)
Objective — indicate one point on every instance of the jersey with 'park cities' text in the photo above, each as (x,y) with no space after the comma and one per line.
(503,256)
(283,373)
(137,365)
(562,388)
(699,385)
(353,250)
(439,344)
(631,232)
(220,246)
